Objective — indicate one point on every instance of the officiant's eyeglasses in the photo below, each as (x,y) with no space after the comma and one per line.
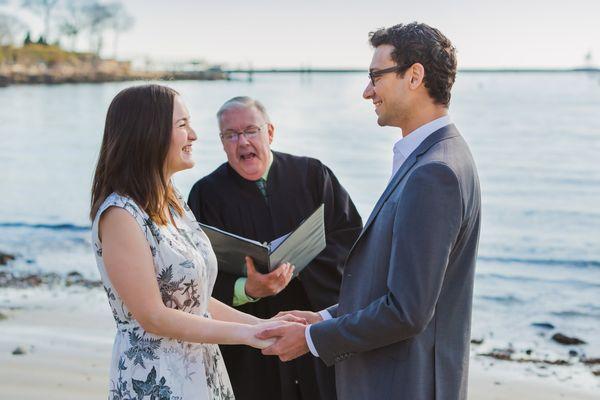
(378,73)
(233,136)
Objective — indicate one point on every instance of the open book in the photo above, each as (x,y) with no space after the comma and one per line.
(298,247)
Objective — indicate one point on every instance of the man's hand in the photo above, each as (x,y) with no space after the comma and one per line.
(309,316)
(290,344)
(263,285)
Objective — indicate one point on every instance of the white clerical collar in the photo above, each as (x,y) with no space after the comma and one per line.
(409,143)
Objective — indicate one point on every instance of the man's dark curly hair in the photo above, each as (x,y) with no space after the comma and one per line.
(420,43)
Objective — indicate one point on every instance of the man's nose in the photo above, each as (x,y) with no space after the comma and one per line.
(369,91)
(242,140)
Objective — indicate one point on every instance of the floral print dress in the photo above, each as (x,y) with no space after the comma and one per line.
(147,366)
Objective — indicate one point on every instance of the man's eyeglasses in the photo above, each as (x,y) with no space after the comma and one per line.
(377,74)
(233,136)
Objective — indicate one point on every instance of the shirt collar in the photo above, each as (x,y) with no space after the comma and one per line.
(266,174)
(409,143)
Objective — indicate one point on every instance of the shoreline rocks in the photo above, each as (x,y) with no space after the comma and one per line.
(567,340)
(107,71)
(505,355)
(23,281)
(100,77)
(51,64)
(5,258)
(542,361)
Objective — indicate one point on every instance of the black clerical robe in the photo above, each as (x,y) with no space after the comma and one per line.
(295,187)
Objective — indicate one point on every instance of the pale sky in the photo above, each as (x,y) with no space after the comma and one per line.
(266,33)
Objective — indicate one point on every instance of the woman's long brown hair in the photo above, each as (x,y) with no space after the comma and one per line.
(136,140)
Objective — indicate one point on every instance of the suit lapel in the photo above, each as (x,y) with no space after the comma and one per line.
(446,132)
(404,168)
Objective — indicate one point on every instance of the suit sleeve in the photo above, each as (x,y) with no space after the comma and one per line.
(332,310)
(225,283)
(427,222)
(343,224)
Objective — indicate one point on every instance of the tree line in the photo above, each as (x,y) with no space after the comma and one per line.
(67,21)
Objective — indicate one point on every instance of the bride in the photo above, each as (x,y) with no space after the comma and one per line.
(157,266)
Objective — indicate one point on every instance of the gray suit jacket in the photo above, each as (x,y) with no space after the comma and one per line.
(401,328)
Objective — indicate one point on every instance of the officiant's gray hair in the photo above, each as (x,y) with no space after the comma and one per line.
(245,102)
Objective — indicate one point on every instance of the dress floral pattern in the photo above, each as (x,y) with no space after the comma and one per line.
(146,366)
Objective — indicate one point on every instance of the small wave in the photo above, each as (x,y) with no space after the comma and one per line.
(531,279)
(518,278)
(593,307)
(509,299)
(573,314)
(55,227)
(541,261)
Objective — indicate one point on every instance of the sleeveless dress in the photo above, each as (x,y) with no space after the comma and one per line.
(147,366)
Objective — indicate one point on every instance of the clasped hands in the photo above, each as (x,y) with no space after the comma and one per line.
(283,335)
(290,341)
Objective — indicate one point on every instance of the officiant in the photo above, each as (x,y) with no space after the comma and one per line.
(262,195)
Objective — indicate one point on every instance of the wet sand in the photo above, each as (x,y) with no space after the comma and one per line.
(67,336)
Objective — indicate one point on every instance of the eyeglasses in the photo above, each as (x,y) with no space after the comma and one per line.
(377,74)
(233,136)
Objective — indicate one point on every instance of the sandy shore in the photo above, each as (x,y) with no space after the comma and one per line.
(67,337)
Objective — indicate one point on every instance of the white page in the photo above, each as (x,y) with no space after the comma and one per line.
(276,242)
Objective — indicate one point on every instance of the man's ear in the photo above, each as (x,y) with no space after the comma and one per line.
(271,132)
(416,74)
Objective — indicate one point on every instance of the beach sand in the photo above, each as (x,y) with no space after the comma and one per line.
(67,336)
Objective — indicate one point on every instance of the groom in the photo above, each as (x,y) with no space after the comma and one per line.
(401,328)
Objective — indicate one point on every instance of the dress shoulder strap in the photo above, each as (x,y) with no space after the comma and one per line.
(141,217)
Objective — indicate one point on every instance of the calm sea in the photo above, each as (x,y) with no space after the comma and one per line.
(535,138)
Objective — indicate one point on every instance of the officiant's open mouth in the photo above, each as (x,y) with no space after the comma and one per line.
(248,156)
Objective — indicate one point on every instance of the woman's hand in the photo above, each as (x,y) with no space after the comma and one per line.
(251,331)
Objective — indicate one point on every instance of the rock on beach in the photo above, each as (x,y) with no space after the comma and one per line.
(566,340)
(5,258)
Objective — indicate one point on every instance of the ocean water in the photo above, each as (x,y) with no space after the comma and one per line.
(535,138)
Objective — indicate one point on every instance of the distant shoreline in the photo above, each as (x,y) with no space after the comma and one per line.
(53,79)
(50,64)
(99,77)
(355,70)
(35,63)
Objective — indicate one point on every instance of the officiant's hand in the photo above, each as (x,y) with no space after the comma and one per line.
(309,316)
(263,285)
(290,344)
